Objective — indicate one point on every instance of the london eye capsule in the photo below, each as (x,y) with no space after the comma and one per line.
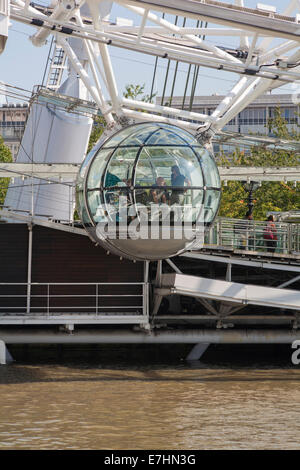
(149,192)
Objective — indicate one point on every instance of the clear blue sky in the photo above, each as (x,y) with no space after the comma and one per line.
(23,65)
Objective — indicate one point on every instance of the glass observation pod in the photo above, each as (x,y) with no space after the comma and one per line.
(148,192)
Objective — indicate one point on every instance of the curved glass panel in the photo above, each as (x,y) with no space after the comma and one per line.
(82,212)
(95,205)
(211,204)
(117,138)
(186,136)
(161,136)
(96,169)
(160,162)
(85,164)
(210,170)
(120,167)
(117,203)
(145,172)
(149,173)
(139,137)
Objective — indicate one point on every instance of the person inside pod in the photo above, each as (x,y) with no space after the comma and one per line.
(159,194)
(179,180)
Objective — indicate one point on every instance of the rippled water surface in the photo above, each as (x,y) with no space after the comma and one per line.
(125,398)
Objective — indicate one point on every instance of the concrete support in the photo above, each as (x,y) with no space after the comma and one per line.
(2,353)
(197,352)
(5,356)
(157,298)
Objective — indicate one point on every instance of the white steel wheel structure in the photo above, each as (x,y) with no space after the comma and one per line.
(259,45)
(154,185)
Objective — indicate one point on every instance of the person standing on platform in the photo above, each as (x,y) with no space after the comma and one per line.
(270,234)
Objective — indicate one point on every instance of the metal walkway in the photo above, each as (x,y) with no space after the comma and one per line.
(72,304)
(232,292)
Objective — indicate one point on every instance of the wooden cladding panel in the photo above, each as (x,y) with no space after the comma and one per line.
(66,257)
(63,257)
(13,252)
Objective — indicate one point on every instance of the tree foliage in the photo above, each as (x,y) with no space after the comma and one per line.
(5,157)
(270,196)
(98,128)
(136,92)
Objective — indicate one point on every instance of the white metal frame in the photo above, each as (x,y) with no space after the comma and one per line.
(67,172)
(156,36)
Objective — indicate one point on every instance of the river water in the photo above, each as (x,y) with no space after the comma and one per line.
(137,398)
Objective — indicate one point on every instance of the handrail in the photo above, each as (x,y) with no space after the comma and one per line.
(252,235)
(45,300)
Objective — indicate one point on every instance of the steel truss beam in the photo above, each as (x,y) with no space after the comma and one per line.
(69,172)
(165,49)
(259,72)
(228,15)
(35,220)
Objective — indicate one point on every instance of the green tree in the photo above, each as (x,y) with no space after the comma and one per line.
(5,157)
(98,128)
(270,196)
(136,92)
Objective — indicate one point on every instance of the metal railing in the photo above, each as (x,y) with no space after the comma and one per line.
(68,298)
(252,235)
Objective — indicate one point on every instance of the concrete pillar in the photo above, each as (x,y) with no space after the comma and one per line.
(2,353)
(5,356)
(197,352)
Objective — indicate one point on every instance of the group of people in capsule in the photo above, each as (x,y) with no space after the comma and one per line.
(158,194)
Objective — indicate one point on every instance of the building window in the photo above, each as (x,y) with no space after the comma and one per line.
(289,114)
(253,117)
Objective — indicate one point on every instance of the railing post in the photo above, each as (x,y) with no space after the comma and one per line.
(219,232)
(146,290)
(29,267)
(97,293)
(211,235)
(48,299)
(289,238)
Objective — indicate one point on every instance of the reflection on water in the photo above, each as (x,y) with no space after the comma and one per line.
(139,398)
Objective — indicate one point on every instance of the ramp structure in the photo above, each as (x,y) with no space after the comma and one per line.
(232,292)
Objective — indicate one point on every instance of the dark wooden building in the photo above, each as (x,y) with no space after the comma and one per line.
(67,268)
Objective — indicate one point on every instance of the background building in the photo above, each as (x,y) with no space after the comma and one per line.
(12,124)
(252,120)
